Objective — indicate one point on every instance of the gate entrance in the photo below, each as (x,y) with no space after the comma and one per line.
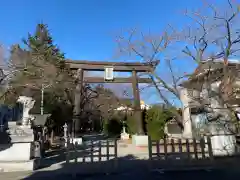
(109,68)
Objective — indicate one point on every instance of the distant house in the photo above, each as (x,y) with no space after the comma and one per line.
(127,108)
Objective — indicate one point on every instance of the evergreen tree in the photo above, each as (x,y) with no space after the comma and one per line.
(44,66)
(45,57)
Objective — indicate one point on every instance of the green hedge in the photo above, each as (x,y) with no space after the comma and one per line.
(156,119)
(131,125)
(112,127)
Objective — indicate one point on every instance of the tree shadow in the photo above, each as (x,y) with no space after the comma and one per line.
(5,116)
(95,169)
(5,141)
(130,167)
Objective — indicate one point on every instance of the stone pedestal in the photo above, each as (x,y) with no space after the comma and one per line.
(18,155)
(223,145)
(125,136)
(140,140)
(222,140)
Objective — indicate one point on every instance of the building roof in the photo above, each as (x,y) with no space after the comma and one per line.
(212,66)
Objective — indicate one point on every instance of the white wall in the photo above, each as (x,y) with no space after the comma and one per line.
(186,113)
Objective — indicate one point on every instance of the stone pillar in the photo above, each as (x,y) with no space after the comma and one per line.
(186,114)
(137,106)
(77,102)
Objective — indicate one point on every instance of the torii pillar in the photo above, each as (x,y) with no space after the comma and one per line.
(77,102)
(137,106)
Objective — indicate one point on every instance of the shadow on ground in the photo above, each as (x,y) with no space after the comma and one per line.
(98,159)
(130,167)
(5,141)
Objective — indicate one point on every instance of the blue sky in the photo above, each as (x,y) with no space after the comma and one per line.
(85,29)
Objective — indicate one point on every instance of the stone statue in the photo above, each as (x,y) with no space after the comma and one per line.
(28,103)
(124,134)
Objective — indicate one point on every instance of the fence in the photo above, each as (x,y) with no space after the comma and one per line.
(104,156)
(164,149)
(110,154)
(107,156)
(93,151)
(180,149)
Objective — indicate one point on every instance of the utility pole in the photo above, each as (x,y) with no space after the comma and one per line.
(42,97)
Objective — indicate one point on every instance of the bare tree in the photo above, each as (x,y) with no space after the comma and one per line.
(211,36)
(2,68)
(149,48)
(215,41)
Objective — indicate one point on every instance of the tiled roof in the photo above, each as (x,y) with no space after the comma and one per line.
(211,65)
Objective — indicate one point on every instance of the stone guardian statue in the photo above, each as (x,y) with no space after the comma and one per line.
(28,103)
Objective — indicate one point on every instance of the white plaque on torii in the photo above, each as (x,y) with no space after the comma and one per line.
(108,73)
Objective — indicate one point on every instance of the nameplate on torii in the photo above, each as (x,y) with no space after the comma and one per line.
(108,73)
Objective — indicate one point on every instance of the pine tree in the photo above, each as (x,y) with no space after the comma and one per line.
(45,56)
(43,64)
(41,45)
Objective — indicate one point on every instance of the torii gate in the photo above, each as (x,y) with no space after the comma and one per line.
(109,68)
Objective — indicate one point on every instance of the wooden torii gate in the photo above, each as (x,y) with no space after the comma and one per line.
(109,67)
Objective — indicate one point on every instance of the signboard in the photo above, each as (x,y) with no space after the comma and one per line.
(108,73)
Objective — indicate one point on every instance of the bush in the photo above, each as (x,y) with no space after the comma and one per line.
(156,119)
(131,125)
(112,127)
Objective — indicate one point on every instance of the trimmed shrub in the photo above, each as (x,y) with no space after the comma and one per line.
(112,127)
(156,119)
(131,125)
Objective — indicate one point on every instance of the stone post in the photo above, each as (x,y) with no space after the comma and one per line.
(65,129)
(21,153)
(66,141)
